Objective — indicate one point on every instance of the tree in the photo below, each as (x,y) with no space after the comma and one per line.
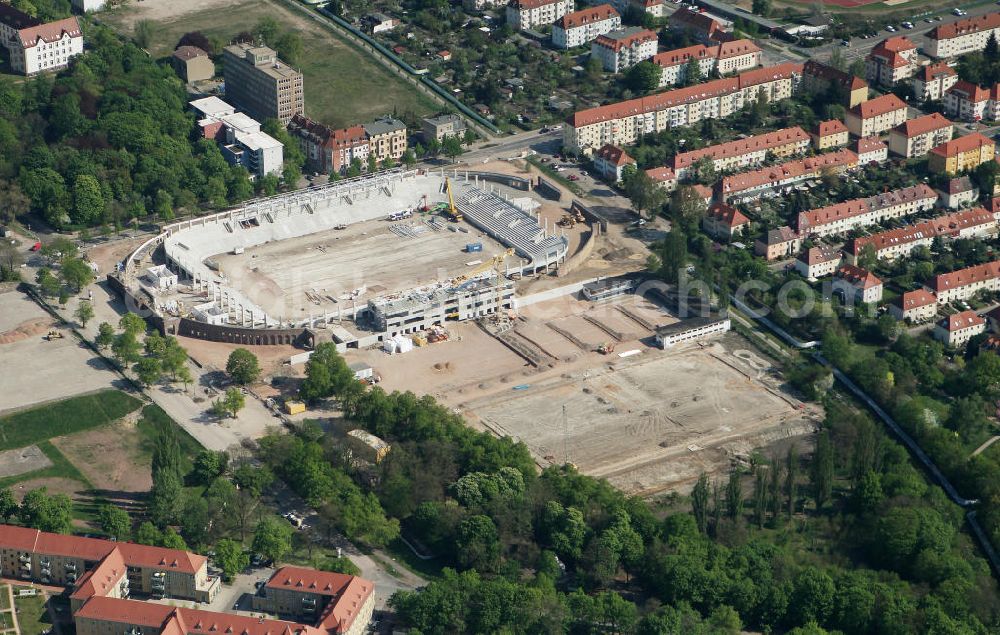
(985,177)
(791,474)
(143,33)
(692,72)
(75,273)
(593,68)
(409,158)
(272,538)
(196,39)
(209,465)
(477,544)
(734,495)
(165,498)
(699,502)
(761,7)
(8,505)
(48,282)
(172,540)
(646,195)
(125,348)
(88,201)
(821,471)
(132,323)
(10,262)
(47,513)
(643,77)
(84,313)
(242,366)
(234,401)
(340,564)
(674,254)
(105,335)
(687,208)
(148,371)
(759,494)
(148,534)
(992,51)
(452,147)
(115,522)
(230,557)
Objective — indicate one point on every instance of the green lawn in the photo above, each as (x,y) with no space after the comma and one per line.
(342,85)
(31,614)
(64,417)
(60,468)
(153,420)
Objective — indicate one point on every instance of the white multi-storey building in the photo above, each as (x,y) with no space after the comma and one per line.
(624,48)
(725,58)
(527,14)
(931,82)
(35,46)
(964,36)
(892,60)
(578,28)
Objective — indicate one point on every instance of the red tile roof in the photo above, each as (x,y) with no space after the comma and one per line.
(740,147)
(965,27)
(309,581)
(103,578)
(922,125)
(792,169)
(737,48)
(933,71)
(965,277)
(819,255)
(50,32)
(614,155)
(916,299)
(661,174)
(878,106)
(869,144)
(677,57)
(848,209)
(189,53)
(961,145)
(961,321)
(587,16)
(897,44)
(831,74)
(727,214)
(695,21)
(858,276)
(969,91)
(830,127)
(186,621)
(121,611)
(616,40)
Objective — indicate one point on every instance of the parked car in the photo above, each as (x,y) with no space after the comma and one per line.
(907,25)
(573,177)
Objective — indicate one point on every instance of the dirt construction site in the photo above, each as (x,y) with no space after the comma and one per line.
(650,422)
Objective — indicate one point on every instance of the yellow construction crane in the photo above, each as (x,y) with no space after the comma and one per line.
(452,210)
(496,264)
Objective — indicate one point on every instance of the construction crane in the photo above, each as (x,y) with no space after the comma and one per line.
(452,210)
(496,264)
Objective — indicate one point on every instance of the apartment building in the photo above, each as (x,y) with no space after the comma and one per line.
(725,58)
(958,192)
(34,46)
(240,137)
(327,599)
(955,330)
(437,128)
(875,116)
(723,221)
(624,48)
(663,177)
(770,181)
(963,36)
(916,137)
(327,150)
(818,262)
(744,153)
(260,84)
(386,139)
(703,27)
(892,60)
(860,212)
(900,242)
(931,82)
(969,102)
(610,162)
(857,283)
(579,27)
(819,78)
(871,150)
(964,283)
(914,306)
(830,134)
(527,14)
(962,154)
(192,64)
(778,243)
(622,123)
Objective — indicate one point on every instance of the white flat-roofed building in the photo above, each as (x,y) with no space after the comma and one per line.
(691,330)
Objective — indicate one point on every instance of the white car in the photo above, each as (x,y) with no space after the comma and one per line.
(907,25)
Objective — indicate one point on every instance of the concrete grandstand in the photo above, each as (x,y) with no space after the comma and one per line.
(192,248)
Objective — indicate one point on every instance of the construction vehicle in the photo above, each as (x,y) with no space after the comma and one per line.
(567,221)
(496,264)
(53,335)
(606,349)
(453,212)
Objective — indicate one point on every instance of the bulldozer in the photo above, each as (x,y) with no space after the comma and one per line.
(606,348)
(567,221)
(53,335)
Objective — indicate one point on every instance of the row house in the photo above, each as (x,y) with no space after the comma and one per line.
(653,8)
(965,283)
(769,181)
(782,242)
(703,27)
(962,154)
(579,27)
(969,102)
(900,242)
(724,221)
(624,48)
(610,162)
(818,262)
(858,284)
(914,306)
(386,139)
(958,192)
(818,77)
(916,137)
(861,212)
(931,82)
(744,153)
(327,150)
(963,36)
(624,122)
(527,14)
(892,60)
(876,116)
(871,150)
(663,177)
(724,58)
(830,134)
(34,46)
(957,329)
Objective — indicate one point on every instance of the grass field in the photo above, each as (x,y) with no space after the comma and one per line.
(342,86)
(154,419)
(64,417)
(31,614)
(60,468)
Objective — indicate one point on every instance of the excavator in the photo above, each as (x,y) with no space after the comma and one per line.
(496,264)
(453,212)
